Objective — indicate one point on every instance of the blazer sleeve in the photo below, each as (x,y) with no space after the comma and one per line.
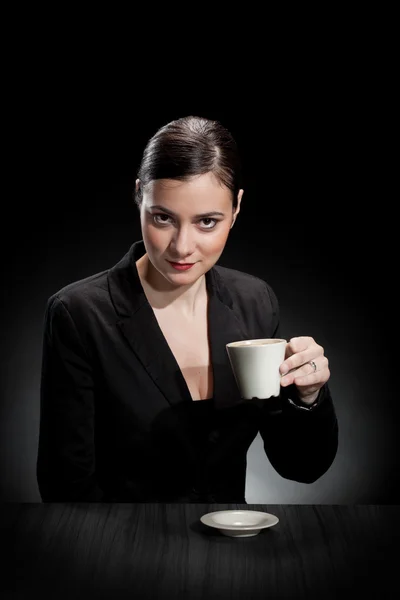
(300,443)
(66,457)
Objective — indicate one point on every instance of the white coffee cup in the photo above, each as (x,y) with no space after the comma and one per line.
(255,365)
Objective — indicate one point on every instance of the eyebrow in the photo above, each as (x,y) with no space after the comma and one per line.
(212,213)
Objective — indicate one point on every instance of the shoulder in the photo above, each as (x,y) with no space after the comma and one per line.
(252,300)
(80,294)
(245,285)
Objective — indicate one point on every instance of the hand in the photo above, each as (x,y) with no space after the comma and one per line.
(296,368)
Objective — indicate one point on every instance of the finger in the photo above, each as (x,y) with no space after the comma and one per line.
(312,379)
(301,342)
(305,370)
(298,344)
(301,358)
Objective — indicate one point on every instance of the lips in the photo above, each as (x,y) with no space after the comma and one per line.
(181,266)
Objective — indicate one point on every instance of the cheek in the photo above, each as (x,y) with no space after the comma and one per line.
(216,242)
(155,238)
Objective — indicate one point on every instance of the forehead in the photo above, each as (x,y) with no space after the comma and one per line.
(204,191)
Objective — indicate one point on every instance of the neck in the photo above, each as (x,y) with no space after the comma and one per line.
(188,300)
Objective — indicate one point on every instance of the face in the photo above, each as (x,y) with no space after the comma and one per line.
(185,225)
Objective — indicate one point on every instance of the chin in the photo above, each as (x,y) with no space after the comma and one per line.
(183,277)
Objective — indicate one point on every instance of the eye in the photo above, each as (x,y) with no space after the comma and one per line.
(209,223)
(161,219)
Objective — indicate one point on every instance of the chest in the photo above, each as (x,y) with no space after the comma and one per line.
(189,343)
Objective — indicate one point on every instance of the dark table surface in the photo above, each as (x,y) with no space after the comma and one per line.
(163,551)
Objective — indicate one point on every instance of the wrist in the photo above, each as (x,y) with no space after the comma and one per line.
(308,399)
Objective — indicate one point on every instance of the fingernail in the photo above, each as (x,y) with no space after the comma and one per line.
(284,370)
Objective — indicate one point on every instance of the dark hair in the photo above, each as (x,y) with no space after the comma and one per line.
(191,146)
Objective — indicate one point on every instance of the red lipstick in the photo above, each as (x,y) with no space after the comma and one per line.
(181,266)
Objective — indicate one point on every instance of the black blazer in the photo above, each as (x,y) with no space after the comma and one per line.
(117,420)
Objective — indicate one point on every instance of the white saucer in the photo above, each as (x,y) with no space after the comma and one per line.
(239,523)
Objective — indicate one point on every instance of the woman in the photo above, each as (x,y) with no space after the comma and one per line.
(138,400)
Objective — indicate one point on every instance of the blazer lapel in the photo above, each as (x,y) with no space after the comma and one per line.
(140,328)
(151,348)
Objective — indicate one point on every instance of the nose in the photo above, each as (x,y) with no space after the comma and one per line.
(182,243)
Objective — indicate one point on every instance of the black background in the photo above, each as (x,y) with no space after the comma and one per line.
(316,219)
